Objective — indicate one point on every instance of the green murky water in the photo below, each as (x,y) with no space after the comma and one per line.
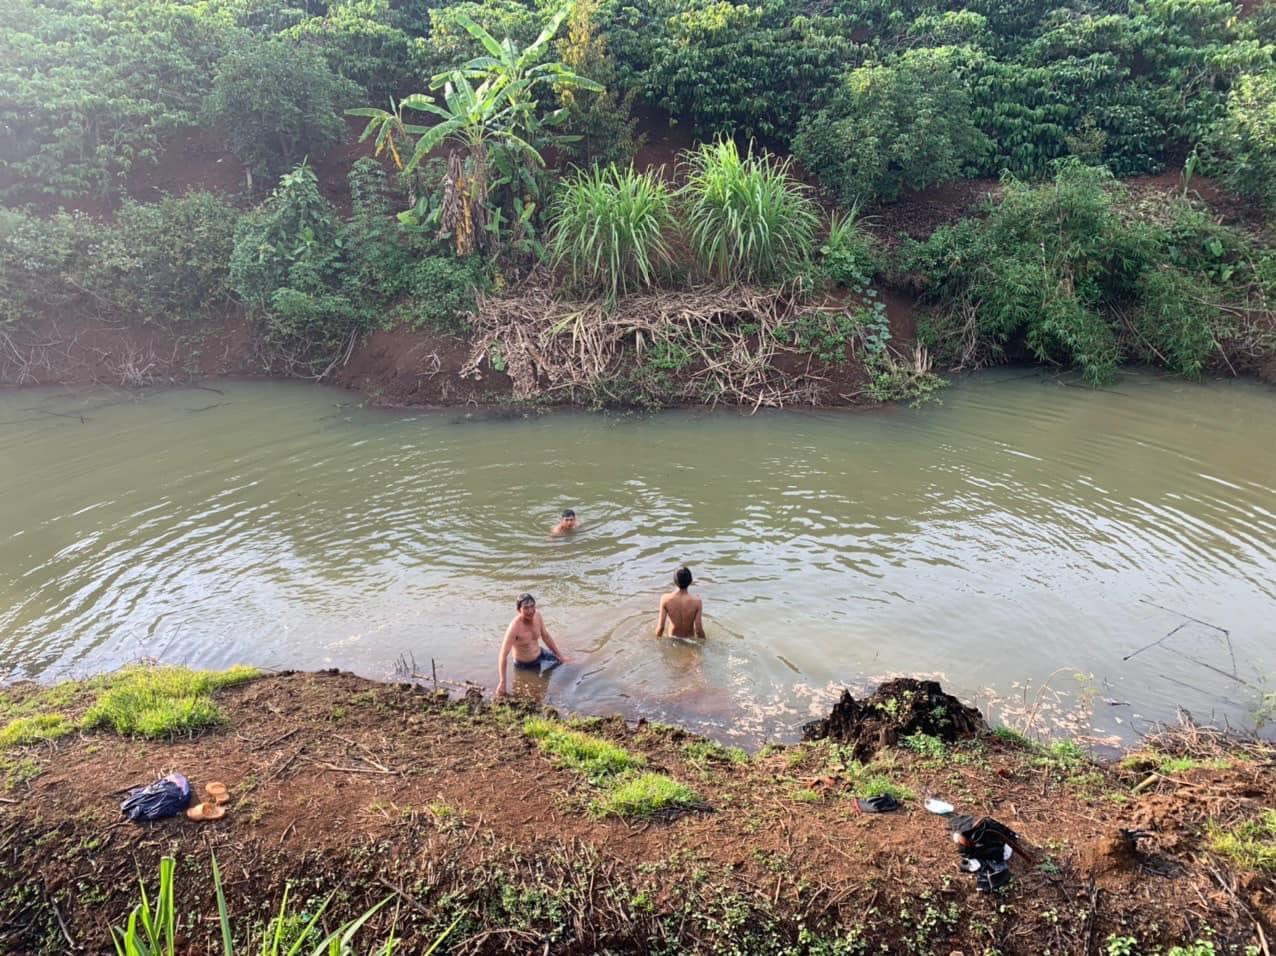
(1026,528)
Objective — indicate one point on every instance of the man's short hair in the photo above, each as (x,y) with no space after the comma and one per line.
(568,513)
(524,599)
(682,577)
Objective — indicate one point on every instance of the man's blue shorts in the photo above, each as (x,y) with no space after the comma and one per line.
(546,660)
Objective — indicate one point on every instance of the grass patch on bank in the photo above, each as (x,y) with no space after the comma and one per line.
(627,791)
(1250,843)
(34,730)
(156,702)
(596,758)
(139,700)
(645,795)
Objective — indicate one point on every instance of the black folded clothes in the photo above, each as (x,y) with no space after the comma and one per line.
(879,804)
(163,798)
(985,845)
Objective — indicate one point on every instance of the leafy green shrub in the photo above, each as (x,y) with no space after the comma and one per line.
(287,266)
(280,103)
(1246,138)
(167,260)
(442,290)
(43,264)
(361,42)
(92,90)
(847,256)
(727,67)
(906,124)
(1063,269)
(602,121)
(609,227)
(747,217)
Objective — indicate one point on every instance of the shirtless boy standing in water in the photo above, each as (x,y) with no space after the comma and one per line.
(523,636)
(683,612)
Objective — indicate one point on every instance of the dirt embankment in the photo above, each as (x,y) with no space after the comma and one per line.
(373,791)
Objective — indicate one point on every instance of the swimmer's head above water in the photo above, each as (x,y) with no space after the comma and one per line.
(526,605)
(566,522)
(682,577)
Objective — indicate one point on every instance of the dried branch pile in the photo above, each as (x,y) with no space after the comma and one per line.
(729,345)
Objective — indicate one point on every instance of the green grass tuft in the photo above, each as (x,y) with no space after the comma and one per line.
(645,795)
(1014,738)
(749,219)
(1173,765)
(596,758)
(610,227)
(161,701)
(869,784)
(928,746)
(706,751)
(1250,843)
(32,730)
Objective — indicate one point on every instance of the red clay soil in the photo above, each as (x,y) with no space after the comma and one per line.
(419,367)
(88,351)
(343,785)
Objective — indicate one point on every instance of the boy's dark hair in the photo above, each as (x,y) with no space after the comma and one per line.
(568,513)
(682,577)
(523,599)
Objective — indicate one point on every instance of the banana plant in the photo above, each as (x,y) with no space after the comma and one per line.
(489,105)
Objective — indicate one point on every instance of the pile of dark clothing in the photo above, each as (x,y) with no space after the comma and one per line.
(985,845)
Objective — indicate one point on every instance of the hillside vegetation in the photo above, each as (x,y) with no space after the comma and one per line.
(500,141)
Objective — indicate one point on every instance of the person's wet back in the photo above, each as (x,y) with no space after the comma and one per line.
(524,637)
(683,613)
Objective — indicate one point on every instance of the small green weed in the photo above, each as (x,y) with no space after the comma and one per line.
(1065,755)
(18,772)
(596,758)
(706,751)
(1250,843)
(1121,945)
(1014,738)
(645,795)
(926,745)
(868,782)
(1173,765)
(806,795)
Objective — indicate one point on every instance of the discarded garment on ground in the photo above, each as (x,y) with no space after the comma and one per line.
(163,798)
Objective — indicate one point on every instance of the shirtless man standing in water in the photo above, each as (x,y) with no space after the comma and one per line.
(683,612)
(523,636)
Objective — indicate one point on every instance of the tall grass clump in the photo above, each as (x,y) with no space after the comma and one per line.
(748,217)
(161,701)
(610,228)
